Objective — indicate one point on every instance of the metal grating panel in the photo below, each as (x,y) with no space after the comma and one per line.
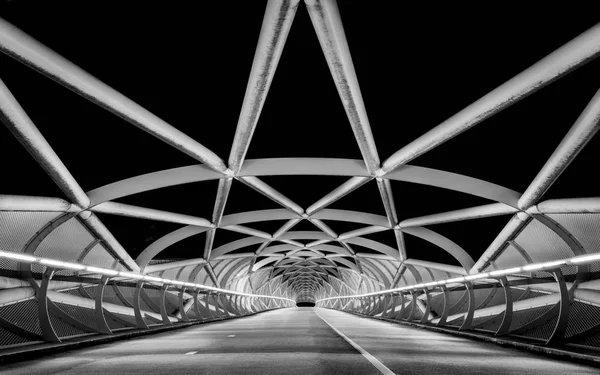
(436,303)
(65,242)
(582,317)
(497,299)
(127,292)
(407,278)
(81,314)
(111,296)
(591,341)
(92,290)
(510,257)
(542,331)
(74,292)
(520,318)
(489,323)
(170,274)
(113,324)
(203,278)
(542,244)
(425,275)
(584,227)
(185,274)
(7,338)
(23,314)
(99,256)
(16,228)
(64,329)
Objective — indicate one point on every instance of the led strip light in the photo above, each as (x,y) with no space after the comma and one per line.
(582,259)
(26,258)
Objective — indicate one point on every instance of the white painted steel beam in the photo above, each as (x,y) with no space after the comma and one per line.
(437,266)
(95,225)
(285,228)
(444,243)
(324,227)
(29,203)
(303,166)
(152,181)
(326,20)
(208,243)
(257,216)
(153,268)
(346,188)
(488,210)
(307,166)
(276,25)
(123,209)
(387,197)
(401,244)
(20,125)
(456,182)
(377,246)
(271,193)
(351,216)
(165,241)
(516,223)
(29,51)
(249,231)
(360,232)
(567,58)
(568,205)
(578,136)
(234,245)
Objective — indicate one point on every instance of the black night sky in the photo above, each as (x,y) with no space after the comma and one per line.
(189,62)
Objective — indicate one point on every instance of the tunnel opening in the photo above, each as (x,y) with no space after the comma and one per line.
(305,304)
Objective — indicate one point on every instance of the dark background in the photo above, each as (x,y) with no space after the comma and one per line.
(188,63)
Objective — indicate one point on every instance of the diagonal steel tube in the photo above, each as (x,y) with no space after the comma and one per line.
(360,232)
(285,227)
(208,243)
(32,53)
(249,231)
(514,226)
(579,135)
(488,210)
(276,25)
(326,20)
(17,121)
(346,188)
(567,58)
(324,227)
(123,209)
(220,201)
(387,197)
(280,232)
(401,244)
(95,225)
(271,193)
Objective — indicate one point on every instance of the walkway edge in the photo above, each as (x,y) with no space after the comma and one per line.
(538,349)
(29,352)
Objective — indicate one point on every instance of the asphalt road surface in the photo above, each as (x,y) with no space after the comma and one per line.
(297,341)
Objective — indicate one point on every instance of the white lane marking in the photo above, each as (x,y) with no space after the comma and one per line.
(191,353)
(374,361)
(231,336)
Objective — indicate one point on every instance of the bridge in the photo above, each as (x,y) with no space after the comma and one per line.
(303,250)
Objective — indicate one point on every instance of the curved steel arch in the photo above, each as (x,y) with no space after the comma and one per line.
(165,241)
(310,166)
(444,243)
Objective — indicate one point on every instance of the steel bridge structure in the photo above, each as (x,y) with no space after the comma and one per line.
(64,274)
